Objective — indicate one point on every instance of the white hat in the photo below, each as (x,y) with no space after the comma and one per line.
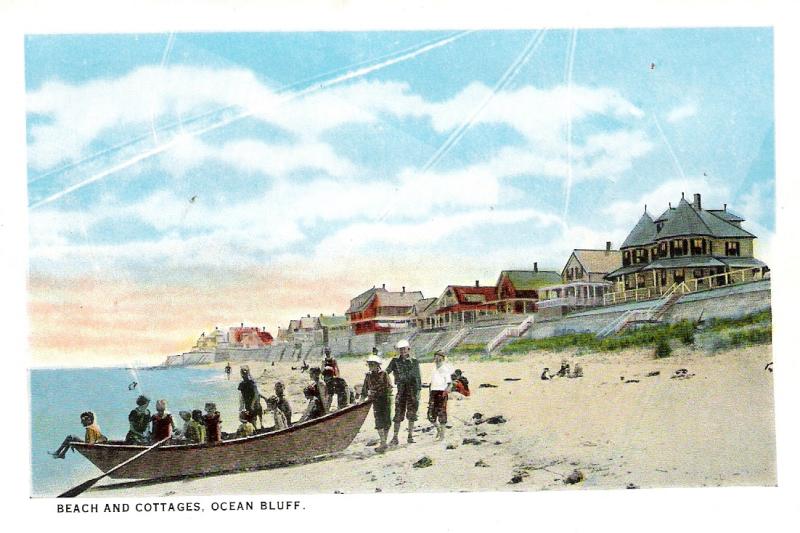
(374,359)
(402,344)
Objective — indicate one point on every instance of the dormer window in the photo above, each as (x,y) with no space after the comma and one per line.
(732,248)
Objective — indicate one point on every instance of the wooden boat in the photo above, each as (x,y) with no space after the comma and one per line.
(329,434)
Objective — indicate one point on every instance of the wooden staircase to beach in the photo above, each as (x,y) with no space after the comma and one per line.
(654,313)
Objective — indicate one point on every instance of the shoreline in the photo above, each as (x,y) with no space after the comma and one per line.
(712,428)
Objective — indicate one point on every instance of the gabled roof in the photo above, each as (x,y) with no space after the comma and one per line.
(360,302)
(598,261)
(527,280)
(332,321)
(398,299)
(642,233)
(688,220)
(309,322)
(265,336)
(470,294)
(294,324)
(423,306)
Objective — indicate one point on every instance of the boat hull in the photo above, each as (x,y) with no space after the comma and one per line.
(329,434)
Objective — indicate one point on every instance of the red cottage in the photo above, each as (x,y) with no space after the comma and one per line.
(379,310)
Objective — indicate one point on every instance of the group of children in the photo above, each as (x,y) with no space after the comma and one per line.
(378,388)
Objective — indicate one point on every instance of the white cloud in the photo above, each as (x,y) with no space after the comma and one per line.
(682,112)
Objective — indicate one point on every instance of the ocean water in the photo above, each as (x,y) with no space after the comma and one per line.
(59,396)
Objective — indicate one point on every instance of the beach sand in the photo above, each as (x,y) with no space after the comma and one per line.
(715,428)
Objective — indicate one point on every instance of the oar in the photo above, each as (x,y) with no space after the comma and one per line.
(86,485)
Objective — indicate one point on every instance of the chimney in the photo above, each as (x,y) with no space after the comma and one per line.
(535,266)
(241,324)
(696,204)
(383,286)
(608,247)
(404,288)
(308,315)
(724,207)
(670,205)
(477,283)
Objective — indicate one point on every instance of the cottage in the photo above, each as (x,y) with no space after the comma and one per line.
(379,310)
(423,312)
(583,282)
(333,326)
(249,337)
(699,248)
(518,290)
(464,303)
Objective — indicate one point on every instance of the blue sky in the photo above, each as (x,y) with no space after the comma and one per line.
(412,158)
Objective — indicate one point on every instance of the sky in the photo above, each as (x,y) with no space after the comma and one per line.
(180,181)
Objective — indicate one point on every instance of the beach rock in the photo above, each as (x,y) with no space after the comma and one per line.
(498,442)
(450,447)
(424,462)
(653,373)
(511,379)
(372,442)
(482,434)
(487,386)
(575,477)
(516,478)
(631,486)
(378,489)
(631,381)
(499,419)
(338,492)
(477,416)
(476,442)
(481,463)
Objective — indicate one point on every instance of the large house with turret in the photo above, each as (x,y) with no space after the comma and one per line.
(702,248)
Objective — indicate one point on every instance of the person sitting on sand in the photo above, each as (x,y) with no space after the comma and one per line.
(93,435)
(139,420)
(545,374)
(577,372)
(564,370)
(246,428)
(250,399)
(163,424)
(378,388)
(283,403)
(315,408)
(441,384)
(213,423)
(200,425)
(277,414)
(460,383)
(321,389)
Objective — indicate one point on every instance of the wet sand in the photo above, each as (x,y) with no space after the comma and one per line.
(715,428)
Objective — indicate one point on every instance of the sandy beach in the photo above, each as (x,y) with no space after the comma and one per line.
(712,428)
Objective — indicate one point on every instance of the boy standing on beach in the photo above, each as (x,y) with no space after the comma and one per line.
(441,383)
(409,383)
(378,388)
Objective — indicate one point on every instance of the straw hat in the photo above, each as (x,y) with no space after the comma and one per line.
(374,359)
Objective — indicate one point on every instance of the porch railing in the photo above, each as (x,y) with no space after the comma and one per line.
(732,277)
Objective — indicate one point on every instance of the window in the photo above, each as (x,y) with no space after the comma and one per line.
(626,258)
(641,256)
(732,248)
(698,246)
(679,247)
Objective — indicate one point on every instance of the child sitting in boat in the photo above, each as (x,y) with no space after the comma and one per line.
(246,428)
(283,403)
(163,424)
(200,425)
(335,386)
(315,408)
(92,436)
(277,413)
(213,423)
(192,432)
(139,420)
